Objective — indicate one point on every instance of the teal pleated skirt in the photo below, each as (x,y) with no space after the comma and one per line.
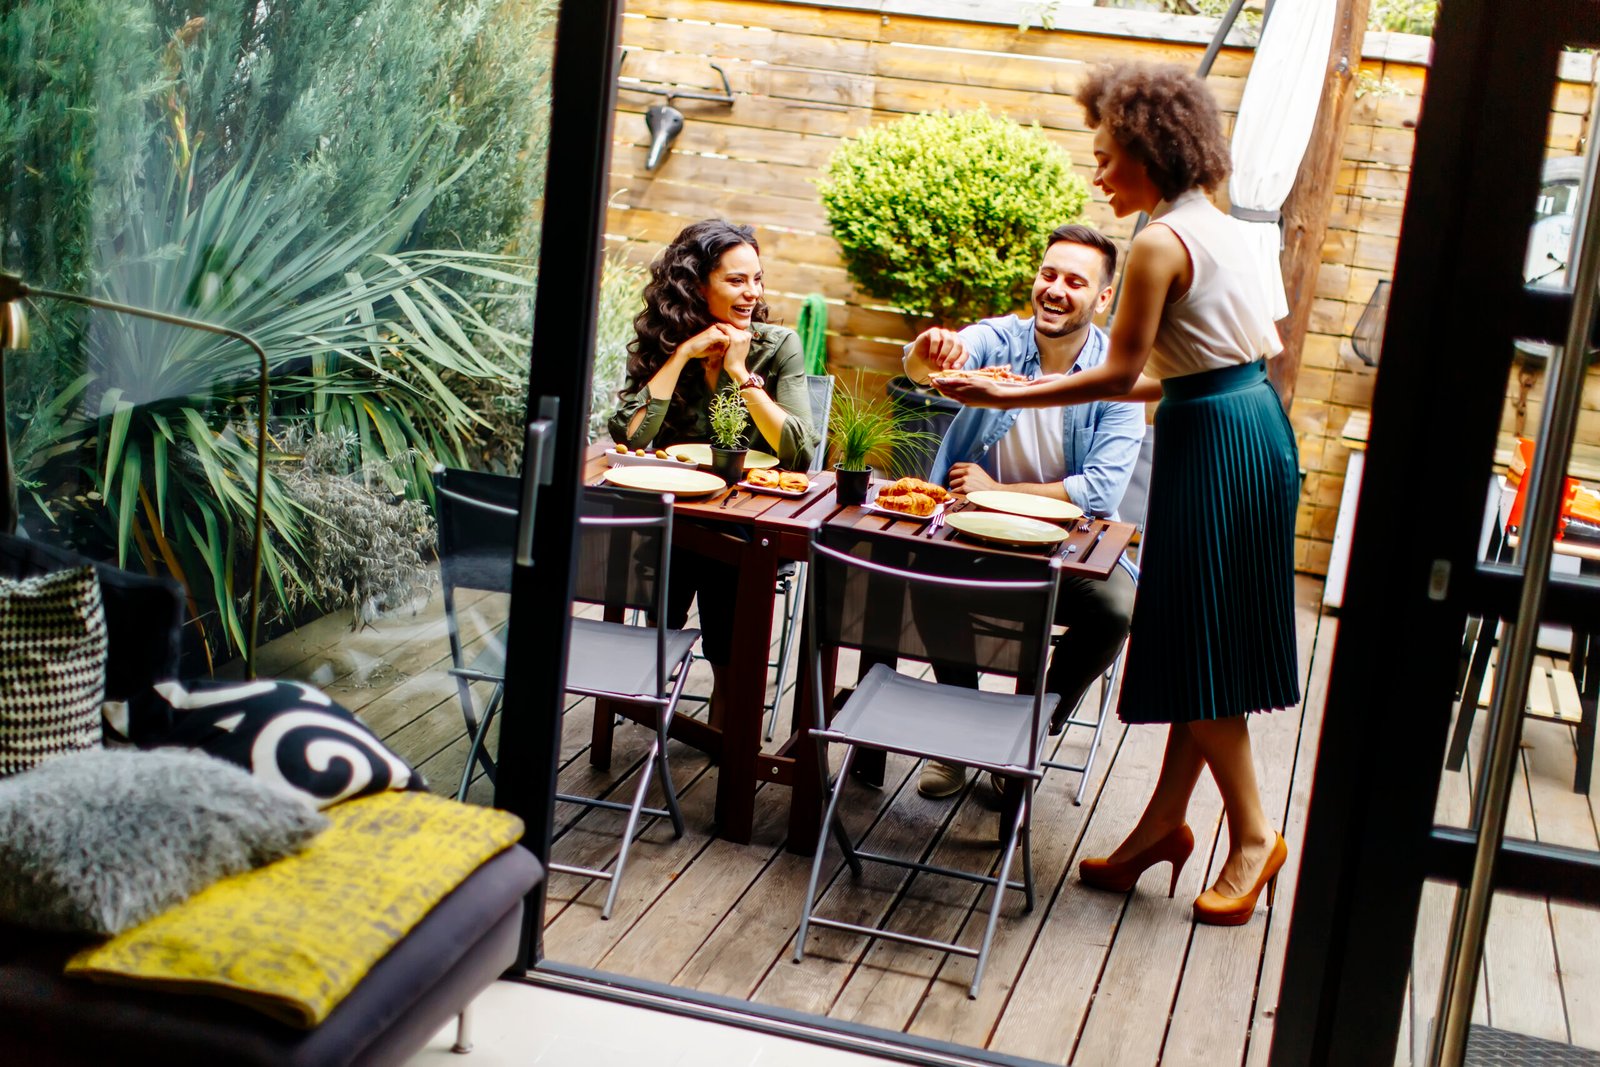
(1213,621)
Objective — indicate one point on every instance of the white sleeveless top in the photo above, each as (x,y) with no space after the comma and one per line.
(1223,319)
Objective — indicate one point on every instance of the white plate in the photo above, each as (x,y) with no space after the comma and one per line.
(682,481)
(649,459)
(1034,507)
(793,494)
(906,515)
(1005,529)
(701,454)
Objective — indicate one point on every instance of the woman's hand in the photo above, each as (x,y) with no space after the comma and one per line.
(987,393)
(711,341)
(736,349)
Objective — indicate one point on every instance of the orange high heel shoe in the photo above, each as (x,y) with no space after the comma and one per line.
(1173,848)
(1214,909)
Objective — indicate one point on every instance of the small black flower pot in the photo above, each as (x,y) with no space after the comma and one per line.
(728,463)
(852,485)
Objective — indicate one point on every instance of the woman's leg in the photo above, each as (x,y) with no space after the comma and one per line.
(718,596)
(1168,806)
(1225,744)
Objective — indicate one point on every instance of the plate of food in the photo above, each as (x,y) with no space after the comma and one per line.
(909,498)
(1001,374)
(623,456)
(1004,529)
(1027,504)
(776,482)
(682,480)
(701,454)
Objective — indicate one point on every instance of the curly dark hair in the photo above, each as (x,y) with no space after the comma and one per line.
(1166,118)
(674,298)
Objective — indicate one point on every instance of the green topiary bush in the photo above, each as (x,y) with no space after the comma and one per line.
(944,215)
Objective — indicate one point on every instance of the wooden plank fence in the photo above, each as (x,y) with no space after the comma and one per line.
(807,75)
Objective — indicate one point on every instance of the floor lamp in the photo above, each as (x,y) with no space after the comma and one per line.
(14,335)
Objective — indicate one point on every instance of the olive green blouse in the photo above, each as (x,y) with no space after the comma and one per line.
(776,355)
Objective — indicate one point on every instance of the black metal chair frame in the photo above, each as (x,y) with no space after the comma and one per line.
(1482,633)
(792,576)
(1108,681)
(641,511)
(824,733)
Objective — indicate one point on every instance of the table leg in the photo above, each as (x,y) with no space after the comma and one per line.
(746,679)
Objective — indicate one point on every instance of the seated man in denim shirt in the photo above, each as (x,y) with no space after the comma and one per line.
(1083,453)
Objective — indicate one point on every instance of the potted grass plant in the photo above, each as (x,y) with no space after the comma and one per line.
(729,443)
(865,430)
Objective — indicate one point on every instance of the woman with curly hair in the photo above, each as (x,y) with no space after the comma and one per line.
(1213,621)
(704,329)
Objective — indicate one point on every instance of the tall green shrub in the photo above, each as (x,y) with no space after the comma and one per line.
(944,215)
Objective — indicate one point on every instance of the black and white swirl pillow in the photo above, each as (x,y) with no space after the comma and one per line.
(285,733)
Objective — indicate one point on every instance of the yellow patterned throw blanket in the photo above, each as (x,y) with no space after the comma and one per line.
(294,937)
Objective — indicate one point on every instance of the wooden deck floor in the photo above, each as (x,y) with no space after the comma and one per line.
(1087,978)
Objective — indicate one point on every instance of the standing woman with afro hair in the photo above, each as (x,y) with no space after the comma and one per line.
(1213,622)
(704,329)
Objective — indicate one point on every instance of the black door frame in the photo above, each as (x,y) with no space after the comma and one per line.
(1457,304)
(571,253)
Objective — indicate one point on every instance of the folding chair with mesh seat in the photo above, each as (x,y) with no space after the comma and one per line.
(624,541)
(477,520)
(981,611)
(791,573)
(1132,510)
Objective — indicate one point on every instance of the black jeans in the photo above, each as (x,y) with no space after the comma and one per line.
(1096,614)
(715,584)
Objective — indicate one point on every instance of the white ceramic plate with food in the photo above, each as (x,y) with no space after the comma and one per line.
(1000,528)
(772,490)
(681,481)
(985,374)
(906,515)
(644,457)
(1026,504)
(701,454)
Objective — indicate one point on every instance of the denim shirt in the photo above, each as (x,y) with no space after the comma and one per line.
(1100,438)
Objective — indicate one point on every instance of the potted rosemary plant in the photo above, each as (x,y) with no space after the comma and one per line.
(867,429)
(729,444)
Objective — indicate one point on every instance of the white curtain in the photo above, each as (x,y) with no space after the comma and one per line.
(1274,126)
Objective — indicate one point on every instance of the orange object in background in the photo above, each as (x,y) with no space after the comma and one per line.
(1577,500)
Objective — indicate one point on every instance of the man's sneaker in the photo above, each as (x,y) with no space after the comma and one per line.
(941,779)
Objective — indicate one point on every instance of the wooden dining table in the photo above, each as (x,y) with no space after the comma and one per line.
(756,533)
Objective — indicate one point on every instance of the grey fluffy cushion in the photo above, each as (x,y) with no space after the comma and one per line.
(97,842)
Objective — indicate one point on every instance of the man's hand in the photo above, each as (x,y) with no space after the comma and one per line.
(970,478)
(940,349)
(737,349)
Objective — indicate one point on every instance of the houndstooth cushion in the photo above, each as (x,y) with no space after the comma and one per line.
(52,667)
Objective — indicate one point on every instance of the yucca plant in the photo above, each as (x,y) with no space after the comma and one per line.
(358,338)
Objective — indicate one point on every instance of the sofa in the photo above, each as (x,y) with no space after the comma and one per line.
(432,974)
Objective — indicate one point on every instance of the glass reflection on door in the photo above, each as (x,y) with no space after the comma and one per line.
(357,186)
